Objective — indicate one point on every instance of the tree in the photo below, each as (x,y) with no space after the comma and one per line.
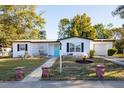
(103,32)
(82,23)
(42,34)
(119,45)
(74,32)
(64,28)
(79,25)
(119,11)
(118,33)
(19,22)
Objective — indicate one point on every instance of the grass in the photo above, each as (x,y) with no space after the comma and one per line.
(7,67)
(77,71)
(118,55)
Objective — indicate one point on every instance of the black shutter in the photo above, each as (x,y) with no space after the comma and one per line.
(26,47)
(17,47)
(82,47)
(67,47)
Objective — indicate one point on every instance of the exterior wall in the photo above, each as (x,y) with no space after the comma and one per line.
(37,47)
(34,49)
(49,48)
(19,53)
(52,48)
(75,41)
(91,45)
(103,47)
(46,48)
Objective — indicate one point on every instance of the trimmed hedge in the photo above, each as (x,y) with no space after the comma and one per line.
(91,53)
(111,51)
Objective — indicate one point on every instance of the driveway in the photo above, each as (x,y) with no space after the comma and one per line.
(116,58)
(119,61)
(64,84)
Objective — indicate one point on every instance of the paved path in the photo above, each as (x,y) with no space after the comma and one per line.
(64,84)
(114,60)
(36,74)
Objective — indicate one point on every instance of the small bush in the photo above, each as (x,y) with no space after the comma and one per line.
(91,53)
(112,51)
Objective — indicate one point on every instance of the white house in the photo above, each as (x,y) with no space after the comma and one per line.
(69,46)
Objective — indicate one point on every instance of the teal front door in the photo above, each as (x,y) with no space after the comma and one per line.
(56,50)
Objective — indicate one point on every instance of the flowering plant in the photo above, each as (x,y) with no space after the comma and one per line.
(84,56)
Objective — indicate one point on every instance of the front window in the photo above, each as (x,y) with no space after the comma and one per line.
(78,48)
(22,47)
(71,47)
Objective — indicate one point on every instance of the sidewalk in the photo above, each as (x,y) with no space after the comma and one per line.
(36,74)
(65,84)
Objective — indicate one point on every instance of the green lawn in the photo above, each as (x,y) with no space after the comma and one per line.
(7,66)
(73,70)
(119,55)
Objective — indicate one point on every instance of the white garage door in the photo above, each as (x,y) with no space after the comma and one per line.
(100,49)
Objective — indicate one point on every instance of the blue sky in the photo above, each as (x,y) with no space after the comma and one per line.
(98,14)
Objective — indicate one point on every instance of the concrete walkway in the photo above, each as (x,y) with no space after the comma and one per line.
(36,74)
(64,84)
(114,60)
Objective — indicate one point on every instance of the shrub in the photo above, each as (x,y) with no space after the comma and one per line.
(112,51)
(91,53)
(119,45)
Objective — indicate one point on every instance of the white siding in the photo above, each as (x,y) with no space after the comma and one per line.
(75,41)
(48,48)
(34,48)
(91,45)
(19,53)
(101,48)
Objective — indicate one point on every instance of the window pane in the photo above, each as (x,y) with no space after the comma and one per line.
(22,47)
(78,48)
(71,47)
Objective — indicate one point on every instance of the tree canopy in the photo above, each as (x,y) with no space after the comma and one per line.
(119,11)
(103,32)
(19,22)
(79,25)
(119,32)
